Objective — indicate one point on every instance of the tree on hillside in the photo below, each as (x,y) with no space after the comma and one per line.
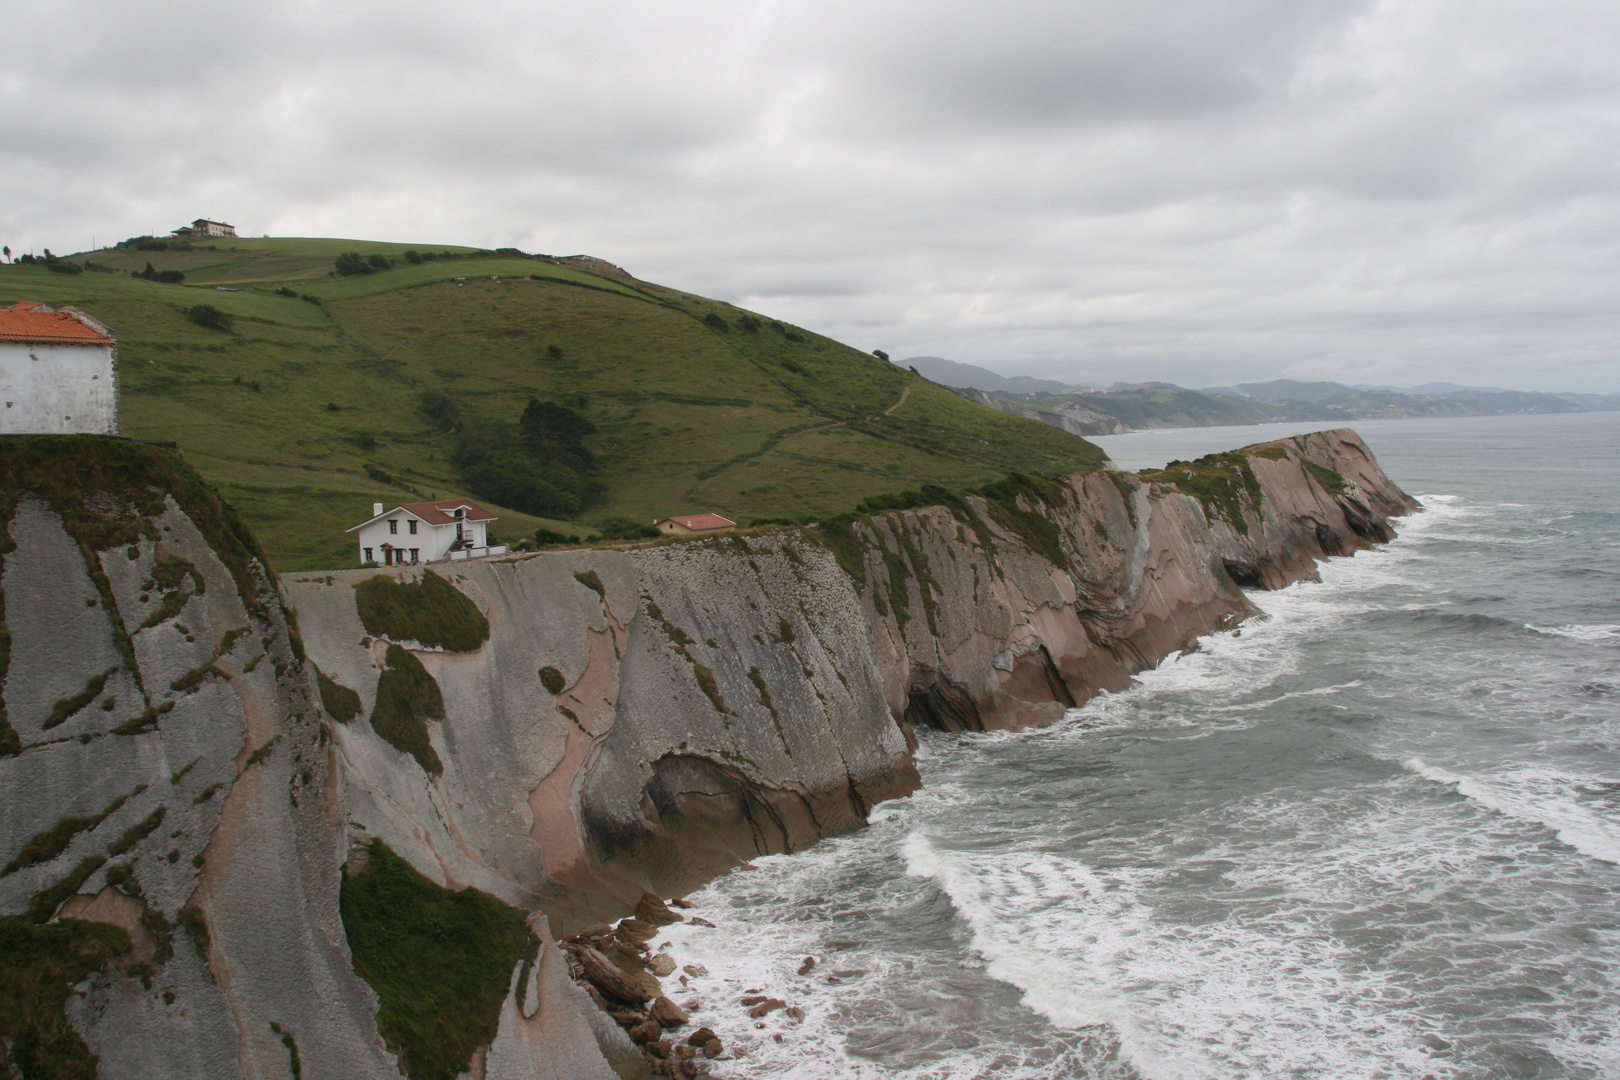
(538,466)
(7,252)
(554,432)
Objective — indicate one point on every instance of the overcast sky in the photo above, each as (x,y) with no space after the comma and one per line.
(1196,192)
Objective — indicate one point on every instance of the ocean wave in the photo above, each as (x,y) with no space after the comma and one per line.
(1593,633)
(1268,998)
(1541,798)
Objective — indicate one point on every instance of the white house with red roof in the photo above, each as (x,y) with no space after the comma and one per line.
(425,532)
(693,524)
(58,372)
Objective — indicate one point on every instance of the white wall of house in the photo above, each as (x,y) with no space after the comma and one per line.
(57,389)
(428,543)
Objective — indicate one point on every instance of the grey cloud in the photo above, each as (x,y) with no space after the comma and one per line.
(1402,189)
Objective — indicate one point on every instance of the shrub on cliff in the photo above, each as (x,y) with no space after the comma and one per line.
(438,960)
(430,610)
(407,698)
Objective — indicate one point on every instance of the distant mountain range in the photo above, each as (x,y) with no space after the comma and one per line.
(1085,410)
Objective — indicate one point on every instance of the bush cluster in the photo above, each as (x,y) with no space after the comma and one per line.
(352,262)
(210,316)
(167,277)
(538,466)
(51,262)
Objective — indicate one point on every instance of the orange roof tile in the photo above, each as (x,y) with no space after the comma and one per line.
(699,522)
(438,512)
(33,321)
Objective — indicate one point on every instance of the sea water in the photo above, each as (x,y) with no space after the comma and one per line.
(1375,833)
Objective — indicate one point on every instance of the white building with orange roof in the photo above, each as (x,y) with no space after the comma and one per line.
(58,372)
(693,524)
(425,532)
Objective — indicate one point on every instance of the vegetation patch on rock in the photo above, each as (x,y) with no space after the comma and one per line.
(1224,483)
(39,966)
(407,698)
(439,961)
(340,703)
(430,610)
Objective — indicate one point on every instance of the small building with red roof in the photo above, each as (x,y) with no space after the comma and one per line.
(693,524)
(423,532)
(58,372)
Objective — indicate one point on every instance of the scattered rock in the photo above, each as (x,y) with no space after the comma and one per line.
(667,1013)
(683,904)
(650,909)
(663,964)
(808,966)
(684,1051)
(713,1048)
(645,1032)
(661,1048)
(769,1005)
(752,999)
(695,921)
(628,1019)
(607,977)
(691,1068)
(701,1036)
(635,931)
(697,971)
(795,1012)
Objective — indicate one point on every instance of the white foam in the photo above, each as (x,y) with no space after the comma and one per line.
(1540,797)
(1594,633)
(1228,999)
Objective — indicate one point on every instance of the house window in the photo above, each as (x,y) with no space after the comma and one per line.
(368,556)
(393,527)
(416,554)
(412,526)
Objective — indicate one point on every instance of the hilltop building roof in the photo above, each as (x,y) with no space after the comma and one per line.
(701,522)
(31,320)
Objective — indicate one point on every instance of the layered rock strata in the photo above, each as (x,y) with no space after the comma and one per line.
(1004,612)
(564,731)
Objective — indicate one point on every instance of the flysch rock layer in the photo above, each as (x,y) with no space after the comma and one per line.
(994,634)
(721,698)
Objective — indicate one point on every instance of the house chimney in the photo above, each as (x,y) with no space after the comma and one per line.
(376,509)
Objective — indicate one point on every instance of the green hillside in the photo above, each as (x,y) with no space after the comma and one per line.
(363,388)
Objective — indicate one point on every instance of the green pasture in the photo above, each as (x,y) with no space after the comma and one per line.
(306,412)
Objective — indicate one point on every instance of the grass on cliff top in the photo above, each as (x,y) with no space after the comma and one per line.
(307,411)
(439,961)
(1224,483)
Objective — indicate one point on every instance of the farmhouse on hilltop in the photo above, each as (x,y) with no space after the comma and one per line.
(58,372)
(692,524)
(204,227)
(423,532)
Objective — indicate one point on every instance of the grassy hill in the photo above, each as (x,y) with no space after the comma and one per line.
(310,407)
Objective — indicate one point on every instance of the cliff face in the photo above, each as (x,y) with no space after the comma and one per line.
(1002,612)
(710,702)
(560,731)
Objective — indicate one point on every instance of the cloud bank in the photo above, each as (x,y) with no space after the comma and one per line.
(1391,192)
